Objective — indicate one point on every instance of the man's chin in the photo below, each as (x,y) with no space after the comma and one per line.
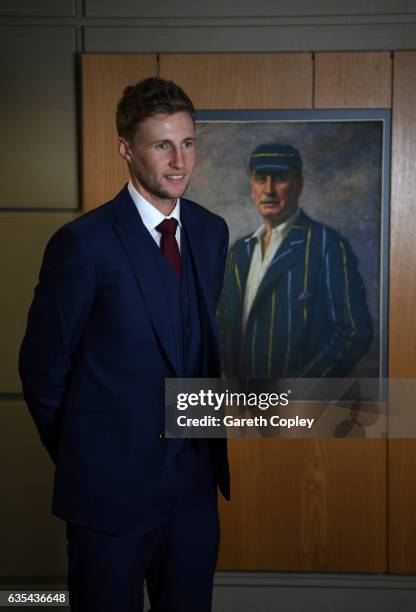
(274,217)
(161,191)
(172,192)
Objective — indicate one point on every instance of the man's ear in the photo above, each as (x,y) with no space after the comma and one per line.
(299,186)
(124,149)
(252,189)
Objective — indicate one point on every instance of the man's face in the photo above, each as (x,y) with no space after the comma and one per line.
(276,195)
(161,156)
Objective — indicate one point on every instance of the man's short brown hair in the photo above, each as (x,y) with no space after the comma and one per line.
(147,98)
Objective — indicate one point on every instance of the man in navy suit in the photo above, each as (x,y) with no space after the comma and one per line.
(126,297)
(294,304)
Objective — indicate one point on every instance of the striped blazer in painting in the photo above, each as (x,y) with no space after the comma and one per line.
(310,316)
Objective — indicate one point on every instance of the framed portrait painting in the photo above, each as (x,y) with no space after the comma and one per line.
(315,304)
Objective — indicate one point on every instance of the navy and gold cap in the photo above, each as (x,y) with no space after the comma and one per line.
(274,157)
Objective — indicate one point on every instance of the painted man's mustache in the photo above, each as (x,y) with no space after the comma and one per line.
(268,200)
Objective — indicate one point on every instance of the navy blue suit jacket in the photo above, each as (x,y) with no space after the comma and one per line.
(97,349)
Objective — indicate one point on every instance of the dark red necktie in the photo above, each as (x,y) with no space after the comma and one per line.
(168,244)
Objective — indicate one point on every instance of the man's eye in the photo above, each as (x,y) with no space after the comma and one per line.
(281,178)
(188,144)
(162,146)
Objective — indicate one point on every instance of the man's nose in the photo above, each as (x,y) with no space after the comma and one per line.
(270,184)
(177,160)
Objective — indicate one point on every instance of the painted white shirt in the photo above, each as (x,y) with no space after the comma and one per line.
(151,216)
(259,265)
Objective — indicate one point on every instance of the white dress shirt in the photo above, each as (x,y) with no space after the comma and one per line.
(151,216)
(259,264)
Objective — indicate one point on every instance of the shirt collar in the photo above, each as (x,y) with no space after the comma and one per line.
(282,228)
(150,215)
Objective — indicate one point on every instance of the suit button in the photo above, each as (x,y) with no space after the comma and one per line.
(162,435)
(184,301)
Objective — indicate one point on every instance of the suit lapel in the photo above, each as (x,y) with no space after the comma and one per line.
(242,264)
(199,243)
(237,272)
(146,263)
(295,247)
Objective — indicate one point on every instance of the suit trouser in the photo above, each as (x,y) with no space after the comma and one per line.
(175,549)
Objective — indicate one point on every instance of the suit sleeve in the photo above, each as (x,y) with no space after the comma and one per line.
(346,312)
(224,252)
(62,302)
(225,320)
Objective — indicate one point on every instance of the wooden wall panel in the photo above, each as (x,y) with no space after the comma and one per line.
(305,505)
(23,237)
(104,78)
(242,80)
(402,327)
(38,159)
(402,351)
(322,523)
(33,542)
(352,80)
